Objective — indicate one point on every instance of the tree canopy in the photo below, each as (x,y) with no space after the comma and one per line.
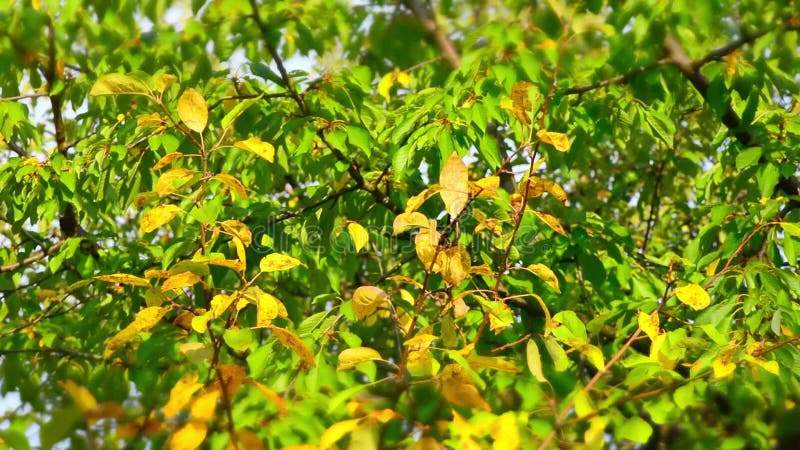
(399,224)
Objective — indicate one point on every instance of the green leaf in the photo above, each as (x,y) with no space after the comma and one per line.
(635,429)
(121,84)
(748,157)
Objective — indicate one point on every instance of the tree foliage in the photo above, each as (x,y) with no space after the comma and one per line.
(399,224)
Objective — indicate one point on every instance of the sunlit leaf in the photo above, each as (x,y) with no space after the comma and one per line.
(204,405)
(181,394)
(367,299)
(258,147)
(170,181)
(297,345)
(337,431)
(551,222)
(180,281)
(119,84)
(457,388)
(80,395)
(693,295)
(359,235)
(275,262)
(534,360)
(158,216)
(521,104)
(649,323)
(193,110)
(167,159)
(232,183)
(189,436)
(559,141)
(406,221)
(351,357)
(546,274)
(455,185)
(124,278)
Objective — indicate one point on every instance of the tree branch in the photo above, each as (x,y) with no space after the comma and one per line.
(32,259)
(427,18)
(52,351)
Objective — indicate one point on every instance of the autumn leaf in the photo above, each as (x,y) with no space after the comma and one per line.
(367,299)
(167,159)
(455,263)
(180,281)
(232,183)
(275,262)
(425,243)
(124,278)
(256,146)
(170,181)
(181,394)
(359,235)
(551,222)
(351,357)
(457,388)
(120,84)
(80,395)
(203,406)
(649,323)
(189,436)
(559,141)
(454,181)
(158,216)
(521,104)
(297,345)
(693,295)
(193,110)
(546,274)
(408,220)
(337,431)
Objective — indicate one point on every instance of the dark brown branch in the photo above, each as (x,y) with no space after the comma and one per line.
(32,259)
(427,18)
(292,214)
(788,185)
(619,79)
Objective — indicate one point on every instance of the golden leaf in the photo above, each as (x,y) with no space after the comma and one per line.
(275,262)
(257,147)
(124,278)
(232,183)
(297,345)
(693,295)
(485,187)
(416,201)
(492,362)
(521,103)
(337,431)
(238,229)
(420,341)
(408,220)
(505,432)
(367,299)
(181,394)
(170,181)
(203,407)
(559,141)
(546,274)
(268,308)
(193,110)
(722,367)
(455,263)
(425,243)
(150,120)
(189,436)
(351,357)
(649,323)
(158,216)
(80,395)
(165,81)
(179,281)
(359,234)
(220,303)
(551,222)
(167,159)
(457,388)
(454,181)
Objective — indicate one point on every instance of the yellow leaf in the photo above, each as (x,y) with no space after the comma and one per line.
(722,367)
(492,362)
(272,395)
(583,404)
(268,308)
(593,354)
(80,395)
(457,388)
(712,267)
(385,85)
(200,322)
(546,274)
(115,342)
(352,357)
(416,201)
(203,407)
(770,366)
(167,159)
(505,432)
(483,270)
(455,263)
(149,317)
(533,187)
(534,359)
(427,443)
(232,183)
(37,4)
(170,181)
(165,81)
(275,262)
(239,230)
(220,303)
(258,147)
(120,84)
(558,140)
(196,352)
(158,216)
(693,295)
(232,376)
(594,436)
(359,235)
(421,363)
(521,103)
(297,345)
(367,299)
(420,341)
(193,110)
(454,181)
(337,431)
(408,220)
(485,187)
(189,436)
(551,222)
(179,281)
(150,120)
(425,243)
(649,323)
(124,278)
(181,394)
(403,79)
